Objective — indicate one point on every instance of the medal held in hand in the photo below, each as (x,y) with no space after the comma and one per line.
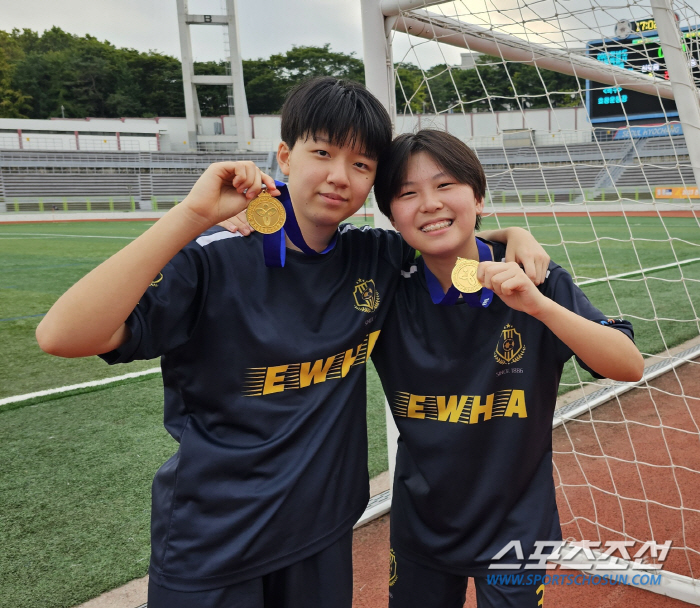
(265,213)
(464,276)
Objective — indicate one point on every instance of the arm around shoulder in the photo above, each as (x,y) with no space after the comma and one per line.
(521,247)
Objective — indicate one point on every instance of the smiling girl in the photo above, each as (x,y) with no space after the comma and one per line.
(472,382)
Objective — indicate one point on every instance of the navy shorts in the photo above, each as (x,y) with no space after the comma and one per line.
(323,580)
(413,585)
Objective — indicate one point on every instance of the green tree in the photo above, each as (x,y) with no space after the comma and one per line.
(265,89)
(303,62)
(13,103)
(41,74)
(411,90)
(267,81)
(89,77)
(490,86)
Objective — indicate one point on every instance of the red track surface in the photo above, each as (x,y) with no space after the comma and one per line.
(371,565)
(674,402)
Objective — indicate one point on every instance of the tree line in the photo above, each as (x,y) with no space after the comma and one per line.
(57,73)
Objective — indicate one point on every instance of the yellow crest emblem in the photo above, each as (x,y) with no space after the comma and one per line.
(510,348)
(393,577)
(366,296)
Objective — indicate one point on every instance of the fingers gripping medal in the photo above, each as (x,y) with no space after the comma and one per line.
(464,276)
(265,213)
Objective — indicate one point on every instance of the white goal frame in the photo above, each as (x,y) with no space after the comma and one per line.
(381,17)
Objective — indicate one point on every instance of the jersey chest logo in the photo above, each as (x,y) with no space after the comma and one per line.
(366,295)
(510,348)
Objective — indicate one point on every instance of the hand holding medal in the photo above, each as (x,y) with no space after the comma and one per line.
(464,275)
(258,189)
(464,282)
(265,213)
(273,217)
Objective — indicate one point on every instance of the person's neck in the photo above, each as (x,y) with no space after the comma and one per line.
(441,266)
(315,236)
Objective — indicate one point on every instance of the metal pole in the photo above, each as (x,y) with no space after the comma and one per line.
(240,104)
(684,90)
(432,26)
(379,70)
(379,78)
(192,113)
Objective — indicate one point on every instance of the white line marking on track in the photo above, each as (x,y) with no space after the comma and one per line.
(72,387)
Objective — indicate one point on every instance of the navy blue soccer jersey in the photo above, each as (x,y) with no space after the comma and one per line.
(264,381)
(473,391)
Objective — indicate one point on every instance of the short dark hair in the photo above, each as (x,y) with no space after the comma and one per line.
(342,110)
(452,155)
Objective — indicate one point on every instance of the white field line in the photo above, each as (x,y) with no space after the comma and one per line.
(50,236)
(636,272)
(72,387)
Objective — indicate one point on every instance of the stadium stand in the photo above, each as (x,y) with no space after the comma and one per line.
(29,180)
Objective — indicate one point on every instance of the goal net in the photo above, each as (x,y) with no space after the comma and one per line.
(585,117)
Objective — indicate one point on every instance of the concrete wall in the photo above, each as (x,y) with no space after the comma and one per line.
(550,126)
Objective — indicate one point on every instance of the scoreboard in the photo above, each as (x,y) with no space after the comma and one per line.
(641,52)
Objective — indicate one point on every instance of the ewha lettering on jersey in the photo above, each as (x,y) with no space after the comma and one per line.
(293,376)
(468,409)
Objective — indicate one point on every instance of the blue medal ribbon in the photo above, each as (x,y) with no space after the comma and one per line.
(480,299)
(274,245)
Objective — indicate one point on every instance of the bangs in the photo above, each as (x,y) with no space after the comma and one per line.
(452,155)
(343,112)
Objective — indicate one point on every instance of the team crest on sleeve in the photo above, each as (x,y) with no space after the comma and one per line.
(393,577)
(157,280)
(510,348)
(366,295)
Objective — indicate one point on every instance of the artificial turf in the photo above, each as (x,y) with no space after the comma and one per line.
(75,470)
(75,485)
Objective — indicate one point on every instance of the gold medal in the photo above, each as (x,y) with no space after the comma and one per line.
(464,276)
(265,213)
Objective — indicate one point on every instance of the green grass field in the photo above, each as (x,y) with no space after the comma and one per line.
(75,470)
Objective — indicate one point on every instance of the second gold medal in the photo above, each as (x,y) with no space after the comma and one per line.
(464,275)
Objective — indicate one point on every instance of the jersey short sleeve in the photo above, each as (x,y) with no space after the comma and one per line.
(167,313)
(560,287)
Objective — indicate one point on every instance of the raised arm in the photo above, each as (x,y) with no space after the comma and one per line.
(89,318)
(605,350)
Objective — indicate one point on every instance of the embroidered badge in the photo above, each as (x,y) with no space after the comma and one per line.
(366,296)
(510,348)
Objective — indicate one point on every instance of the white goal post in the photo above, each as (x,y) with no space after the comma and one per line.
(621,154)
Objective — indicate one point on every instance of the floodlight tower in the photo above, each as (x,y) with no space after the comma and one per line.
(234,80)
